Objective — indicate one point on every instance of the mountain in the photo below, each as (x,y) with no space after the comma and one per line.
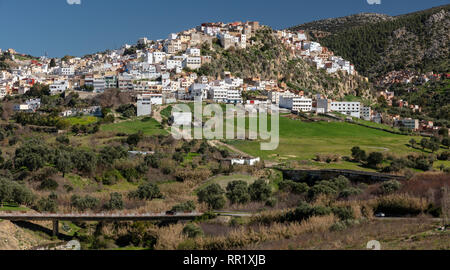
(378,44)
(333,25)
(269,59)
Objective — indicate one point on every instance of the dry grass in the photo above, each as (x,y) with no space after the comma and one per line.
(392,234)
(170,237)
(242,236)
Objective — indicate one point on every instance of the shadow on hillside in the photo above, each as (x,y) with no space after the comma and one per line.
(38,228)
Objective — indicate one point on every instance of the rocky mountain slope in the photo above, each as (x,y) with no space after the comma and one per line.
(269,59)
(378,44)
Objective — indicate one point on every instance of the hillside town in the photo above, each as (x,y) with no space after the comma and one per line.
(164,71)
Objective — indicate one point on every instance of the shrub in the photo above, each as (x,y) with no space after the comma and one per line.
(345,193)
(358,154)
(305,211)
(115,202)
(134,139)
(111,177)
(188,206)
(85,203)
(213,195)
(14,192)
(400,205)
(148,191)
(237,192)
(444,156)
(390,187)
(343,212)
(47,205)
(374,159)
(321,188)
(423,164)
(48,184)
(236,221)
(192,230)
(341,182)
(271,202)
(260,190)
(293,187)
(63,139)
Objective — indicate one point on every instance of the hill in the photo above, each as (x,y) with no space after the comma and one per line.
(269,59)
(378,44)
(332,25)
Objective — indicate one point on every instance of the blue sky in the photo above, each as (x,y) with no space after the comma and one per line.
(53,26)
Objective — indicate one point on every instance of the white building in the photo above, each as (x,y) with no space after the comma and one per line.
(296,103)
(274,96)
(58,87)
(65,71)
(223,95)
(193,52)
(192,62)
(366,113)
(158,57)
(352,109)
(172,64)
(144,105)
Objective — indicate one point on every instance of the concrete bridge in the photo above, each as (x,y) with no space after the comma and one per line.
(94,217)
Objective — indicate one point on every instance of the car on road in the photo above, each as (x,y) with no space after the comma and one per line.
(170,213)
(380,215)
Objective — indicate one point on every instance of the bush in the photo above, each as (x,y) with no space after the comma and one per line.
(341,182)
(345,193)
(293,187)
(111,177)
(236,221)
(444,156)
(148,191)
(374,159)
(48,184)
(83,204)
(358,154)
(271,202)
(115,202)
(63,139)
(237,192)
(322,188)
(213,195)
(134,139)
(260,190)
(343,213)
(188,206)
(390,187)
(399,205)
(14,192)
(192,231)
(305,211)
(47,205)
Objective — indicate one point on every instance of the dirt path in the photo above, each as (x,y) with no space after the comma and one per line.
(216,143)
(157,113)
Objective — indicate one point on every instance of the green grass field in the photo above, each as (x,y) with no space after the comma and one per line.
(302,141)
(82,120)
(148,126)
(13,208)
